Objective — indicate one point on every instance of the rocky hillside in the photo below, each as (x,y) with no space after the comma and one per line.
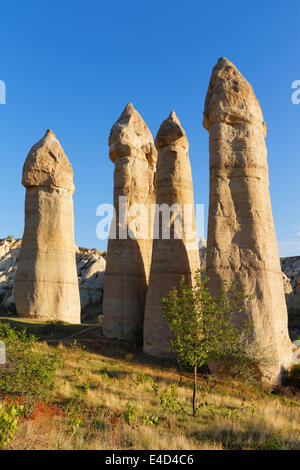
(90,270)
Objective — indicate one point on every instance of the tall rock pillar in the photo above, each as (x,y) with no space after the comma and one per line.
(129,252)
(46,284)
(177,255)
(241,242)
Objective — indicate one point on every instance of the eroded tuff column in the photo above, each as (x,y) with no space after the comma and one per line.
(132,151)
(172,257)
(46,284)
(241,241)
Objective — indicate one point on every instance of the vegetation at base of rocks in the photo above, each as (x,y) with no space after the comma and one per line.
(97,388)
(246,361)
(293,377)
(52,327)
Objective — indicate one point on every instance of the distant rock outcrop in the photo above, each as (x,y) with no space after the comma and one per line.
(176,255)
(291,267)
(241,243)
(132,151)
(46,285)
(9,255)
(90,269)
(202,245)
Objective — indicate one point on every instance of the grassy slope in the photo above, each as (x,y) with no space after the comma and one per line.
(101,380)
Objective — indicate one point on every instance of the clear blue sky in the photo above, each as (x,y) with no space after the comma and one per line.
(73,65)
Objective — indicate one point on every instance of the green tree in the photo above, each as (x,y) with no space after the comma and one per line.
(201,324)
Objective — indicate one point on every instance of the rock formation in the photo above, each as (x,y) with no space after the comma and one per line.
(90,270)
(132,151)
(177,256)
(46,284)
(241,241)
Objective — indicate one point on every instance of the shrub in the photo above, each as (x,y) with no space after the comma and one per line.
(28,371)
(247,359)
(293,377)
(75,423)
(130,413)
(52,327)
(9,414)
(149,420)
(169,399)
(143,378)
(274,442)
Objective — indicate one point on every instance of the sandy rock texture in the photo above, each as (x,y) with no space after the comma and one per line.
(46,285)
(241,241)
(174,257)
(90,270)
(132,151)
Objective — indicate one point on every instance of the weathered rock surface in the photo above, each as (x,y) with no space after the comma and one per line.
(289,271)
(132,151)
(241,241)
(90,270)
(46,285)
(287,282)
(172,258)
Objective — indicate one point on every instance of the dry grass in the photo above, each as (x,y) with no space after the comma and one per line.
(95,387)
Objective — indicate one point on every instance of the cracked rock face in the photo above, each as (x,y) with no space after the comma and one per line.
(132,151)
(241,241)
(46,285)
(174,257)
